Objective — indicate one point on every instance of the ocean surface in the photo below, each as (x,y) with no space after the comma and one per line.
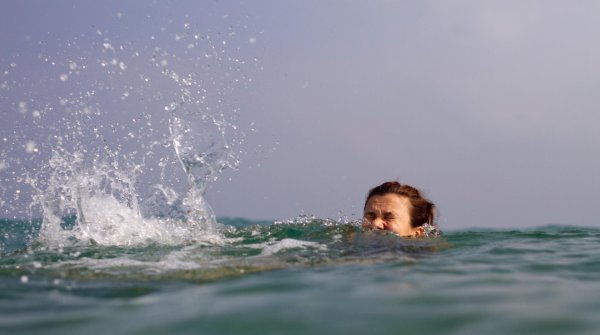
(303,276)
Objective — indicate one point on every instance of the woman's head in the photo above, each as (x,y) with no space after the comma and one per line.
(381,201)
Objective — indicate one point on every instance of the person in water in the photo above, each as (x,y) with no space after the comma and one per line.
(401,209)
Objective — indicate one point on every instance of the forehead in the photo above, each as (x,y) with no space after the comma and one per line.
(388,202)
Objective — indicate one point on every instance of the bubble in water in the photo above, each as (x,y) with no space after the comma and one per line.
(122,66)
(24,279)
(64,77)
(72,66)
(252,40)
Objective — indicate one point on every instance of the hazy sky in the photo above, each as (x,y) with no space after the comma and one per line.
(490,107)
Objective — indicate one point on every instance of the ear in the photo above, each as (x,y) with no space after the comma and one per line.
(419,232)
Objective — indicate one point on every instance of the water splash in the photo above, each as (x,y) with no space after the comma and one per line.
(125,140)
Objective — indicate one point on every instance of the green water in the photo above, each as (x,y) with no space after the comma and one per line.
(305,277)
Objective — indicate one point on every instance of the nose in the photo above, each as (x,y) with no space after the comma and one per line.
(377,223)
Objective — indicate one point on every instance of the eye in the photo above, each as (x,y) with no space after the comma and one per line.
(388,216)
(369,216)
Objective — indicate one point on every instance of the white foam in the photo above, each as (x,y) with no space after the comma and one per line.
(187,258)
(290,243)
(104,200)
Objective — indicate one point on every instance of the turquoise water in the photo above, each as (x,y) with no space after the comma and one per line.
(305,276)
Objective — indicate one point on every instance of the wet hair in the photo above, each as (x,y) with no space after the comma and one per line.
(422,209)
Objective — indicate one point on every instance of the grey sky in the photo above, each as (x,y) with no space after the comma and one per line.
(488,106)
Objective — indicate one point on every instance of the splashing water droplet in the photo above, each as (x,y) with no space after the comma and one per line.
(108,46)
(22,107)
(31,147)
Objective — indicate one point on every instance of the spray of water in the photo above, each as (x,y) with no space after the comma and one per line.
(131,142)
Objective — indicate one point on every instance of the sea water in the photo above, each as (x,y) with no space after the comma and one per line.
(304,276)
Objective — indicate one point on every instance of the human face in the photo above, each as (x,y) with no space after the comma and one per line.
(389,212)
